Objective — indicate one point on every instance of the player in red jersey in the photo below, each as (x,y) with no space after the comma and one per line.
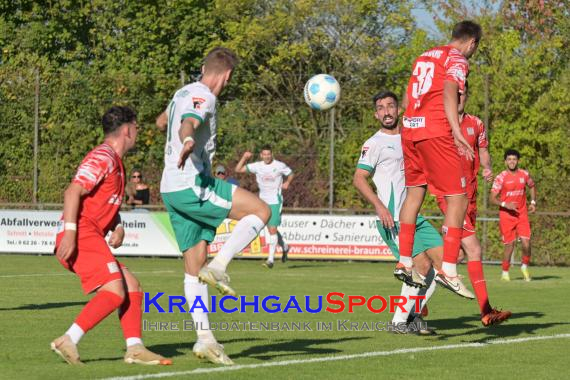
(509,193)
(90,211)
(475,134)
(432,144)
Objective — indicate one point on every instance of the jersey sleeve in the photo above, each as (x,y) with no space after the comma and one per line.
(368,156)
(93,169)
(497,184)
(286,170)
(198,107)
(251,168)
(456,69)
(482,141)
(529,181)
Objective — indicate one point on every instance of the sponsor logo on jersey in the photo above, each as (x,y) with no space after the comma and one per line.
(113,267)
(433,54)
(364,151)
(414,122)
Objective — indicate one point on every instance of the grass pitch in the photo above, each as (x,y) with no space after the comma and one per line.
(39,300)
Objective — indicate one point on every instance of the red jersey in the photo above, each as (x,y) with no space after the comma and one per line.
(102,174)
(424,117)
(473,129)
(512,188)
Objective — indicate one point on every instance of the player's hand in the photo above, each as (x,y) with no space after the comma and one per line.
(67,245)
(187,149)
(463,146)
(488,175)
(247,155)
(531,208)
(385,217)
(116,239)
(510,206)
(285,186)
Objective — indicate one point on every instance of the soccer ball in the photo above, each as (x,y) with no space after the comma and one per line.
(322,92)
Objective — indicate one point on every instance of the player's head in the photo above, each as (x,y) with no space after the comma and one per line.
(512,157)
(136,176)
(463,99)
(266,154)
(220,172)
(386,105)
(220,63)
(466,36)
(121,122)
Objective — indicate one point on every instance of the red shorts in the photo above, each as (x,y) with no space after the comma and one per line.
(513,226)
(93,261)
(434,162)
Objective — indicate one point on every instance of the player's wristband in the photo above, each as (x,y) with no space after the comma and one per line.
(70,227)
(186,139)
(533,202)
(503,204)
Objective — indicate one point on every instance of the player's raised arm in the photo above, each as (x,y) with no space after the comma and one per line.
(162,121)
(241,165)
(186,134)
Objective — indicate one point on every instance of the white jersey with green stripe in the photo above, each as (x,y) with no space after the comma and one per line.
(382,157)
(269,179)
(197,101)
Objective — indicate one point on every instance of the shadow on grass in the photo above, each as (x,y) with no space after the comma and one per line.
(44,306)
(293,347)
(542,278)
(172,350)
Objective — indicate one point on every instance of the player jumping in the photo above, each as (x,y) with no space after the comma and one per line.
(269,175)
(198,203)
(382,158)
(432,144)
(474,132)
(90,210)
(509,193)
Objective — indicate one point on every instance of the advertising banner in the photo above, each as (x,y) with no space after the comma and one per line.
(150,234)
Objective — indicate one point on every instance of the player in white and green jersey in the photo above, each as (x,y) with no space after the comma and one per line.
(269,174)
(382,158)
(198,203)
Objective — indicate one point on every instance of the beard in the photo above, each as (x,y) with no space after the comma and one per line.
(390,126)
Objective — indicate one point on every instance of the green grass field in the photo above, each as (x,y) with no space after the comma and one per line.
(39,300)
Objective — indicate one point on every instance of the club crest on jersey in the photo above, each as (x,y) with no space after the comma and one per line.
(364,150)
(197,102)
(521,180)
(470,131)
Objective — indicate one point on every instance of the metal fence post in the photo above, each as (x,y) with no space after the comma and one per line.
(36,134)
(331,160)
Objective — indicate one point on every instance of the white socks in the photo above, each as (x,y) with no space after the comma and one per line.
(449,269)
(193,289)
(75,333)
(272,247)
(244,232)
(523,267)
(407,261)
(407,291)
(133,341)
(427,292)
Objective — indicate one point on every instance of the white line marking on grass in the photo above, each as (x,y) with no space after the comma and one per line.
(340,357)
(69,274)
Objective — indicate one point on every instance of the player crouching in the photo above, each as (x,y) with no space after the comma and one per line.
(90,211)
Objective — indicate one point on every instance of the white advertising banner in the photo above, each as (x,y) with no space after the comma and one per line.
(150,234)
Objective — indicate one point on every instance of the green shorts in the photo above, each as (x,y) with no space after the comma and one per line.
(426,237)
(196,212)
(275,220)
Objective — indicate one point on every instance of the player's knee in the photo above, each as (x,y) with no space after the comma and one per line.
(264,212)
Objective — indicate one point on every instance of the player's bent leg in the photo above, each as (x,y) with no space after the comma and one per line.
(408,216)
(453,231)
(472,247)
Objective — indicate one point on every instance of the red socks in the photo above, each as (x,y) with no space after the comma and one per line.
(451,244)
(130,315)
(407,232)
(506,265)
(525,260)
(475,270)
(98,309)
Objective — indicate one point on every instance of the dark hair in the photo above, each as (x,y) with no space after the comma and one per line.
(137,171)
(466,29)
(219,60)
(117,116)
(512,152)
(383,95)
(266,147)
